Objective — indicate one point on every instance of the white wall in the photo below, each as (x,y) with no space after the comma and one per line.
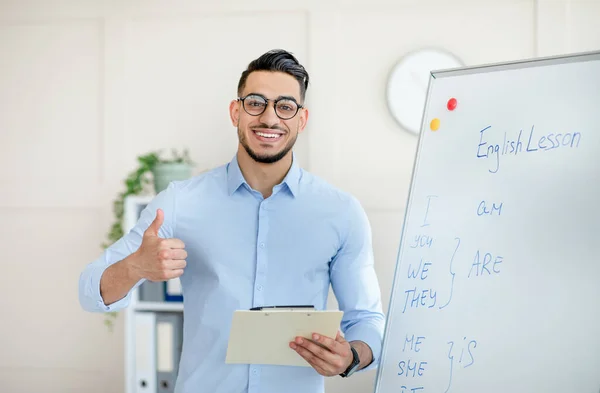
(87,85)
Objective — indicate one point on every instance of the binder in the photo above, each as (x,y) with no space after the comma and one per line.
(145,352)
(169,341)
(173,291)
(170,291)
(152,292)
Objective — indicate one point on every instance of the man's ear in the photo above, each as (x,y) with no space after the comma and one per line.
(303,119)
(234,112)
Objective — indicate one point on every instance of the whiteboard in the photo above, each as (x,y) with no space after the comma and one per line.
(497,281)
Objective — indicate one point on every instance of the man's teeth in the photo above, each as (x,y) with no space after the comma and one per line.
(265,135)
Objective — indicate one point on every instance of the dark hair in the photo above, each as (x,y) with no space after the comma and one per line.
(277,60)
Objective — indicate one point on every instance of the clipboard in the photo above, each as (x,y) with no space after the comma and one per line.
(263,335)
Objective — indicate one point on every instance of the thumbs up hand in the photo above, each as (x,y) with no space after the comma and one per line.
(159,259)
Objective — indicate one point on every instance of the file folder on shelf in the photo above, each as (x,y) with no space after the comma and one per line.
(169,291)
(169,341)
(152,292)
(145,352)
(172,290)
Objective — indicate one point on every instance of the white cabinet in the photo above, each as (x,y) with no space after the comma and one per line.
(153,329)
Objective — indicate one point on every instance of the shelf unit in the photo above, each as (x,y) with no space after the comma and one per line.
(133,206)
(159,306)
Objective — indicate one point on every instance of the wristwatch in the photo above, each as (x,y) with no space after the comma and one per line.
(353,366)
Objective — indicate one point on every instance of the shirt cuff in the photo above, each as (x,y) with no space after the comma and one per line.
(371,335)
(95,284)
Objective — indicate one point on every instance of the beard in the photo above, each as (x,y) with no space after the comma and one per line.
(266,158)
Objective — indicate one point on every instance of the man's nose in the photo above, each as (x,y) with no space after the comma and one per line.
(269,117)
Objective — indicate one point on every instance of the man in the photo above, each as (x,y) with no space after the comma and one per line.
(257,231)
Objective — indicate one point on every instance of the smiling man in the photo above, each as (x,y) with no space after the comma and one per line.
(257,231)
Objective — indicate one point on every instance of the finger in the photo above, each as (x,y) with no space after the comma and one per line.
(156,224)
(168,263)
(334,346)
(317,350)
(170,274)
(317,363)
(175,264)
(168,255)
(178,253)
(167,274)
(173,243)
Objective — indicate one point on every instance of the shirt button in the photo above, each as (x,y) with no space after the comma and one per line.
(262,245)
(254,371)
(260,287)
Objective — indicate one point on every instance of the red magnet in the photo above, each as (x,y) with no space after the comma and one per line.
(452,104)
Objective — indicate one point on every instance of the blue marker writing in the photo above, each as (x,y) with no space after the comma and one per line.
(452,273)
(484,209)
(485,266)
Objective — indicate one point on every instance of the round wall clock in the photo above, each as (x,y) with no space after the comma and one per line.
(408,81)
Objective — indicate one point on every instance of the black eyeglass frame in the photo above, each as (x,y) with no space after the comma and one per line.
(298,106)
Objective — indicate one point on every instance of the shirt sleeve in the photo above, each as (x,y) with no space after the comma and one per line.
(355,284)
(89,280)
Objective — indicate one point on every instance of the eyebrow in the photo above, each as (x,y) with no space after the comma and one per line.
(277,98)
(287,98)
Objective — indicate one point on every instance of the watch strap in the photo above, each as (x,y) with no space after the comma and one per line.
(352,367)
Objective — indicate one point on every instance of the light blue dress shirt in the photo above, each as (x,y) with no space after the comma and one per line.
(247,251)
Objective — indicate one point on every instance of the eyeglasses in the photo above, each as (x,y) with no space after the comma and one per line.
(255,105)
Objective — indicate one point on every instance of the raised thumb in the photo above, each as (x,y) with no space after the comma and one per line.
(156,224)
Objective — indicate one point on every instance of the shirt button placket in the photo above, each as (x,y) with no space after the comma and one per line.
(261,256)
(253,380)
(259,284)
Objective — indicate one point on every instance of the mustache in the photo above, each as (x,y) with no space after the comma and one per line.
(266,127)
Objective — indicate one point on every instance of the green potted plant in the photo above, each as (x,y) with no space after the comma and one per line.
(154,171)
(177,168)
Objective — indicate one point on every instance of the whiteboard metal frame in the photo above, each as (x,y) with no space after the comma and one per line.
(402,232)
(436,74)
(517,64)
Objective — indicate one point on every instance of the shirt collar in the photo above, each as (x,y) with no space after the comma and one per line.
(235,178)
(292,178)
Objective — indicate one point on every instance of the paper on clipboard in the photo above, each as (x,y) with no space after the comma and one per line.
(263,337)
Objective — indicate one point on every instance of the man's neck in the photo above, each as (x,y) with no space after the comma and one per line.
(263,177)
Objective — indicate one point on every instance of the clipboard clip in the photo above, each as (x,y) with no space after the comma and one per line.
(282,308)
(302,307)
